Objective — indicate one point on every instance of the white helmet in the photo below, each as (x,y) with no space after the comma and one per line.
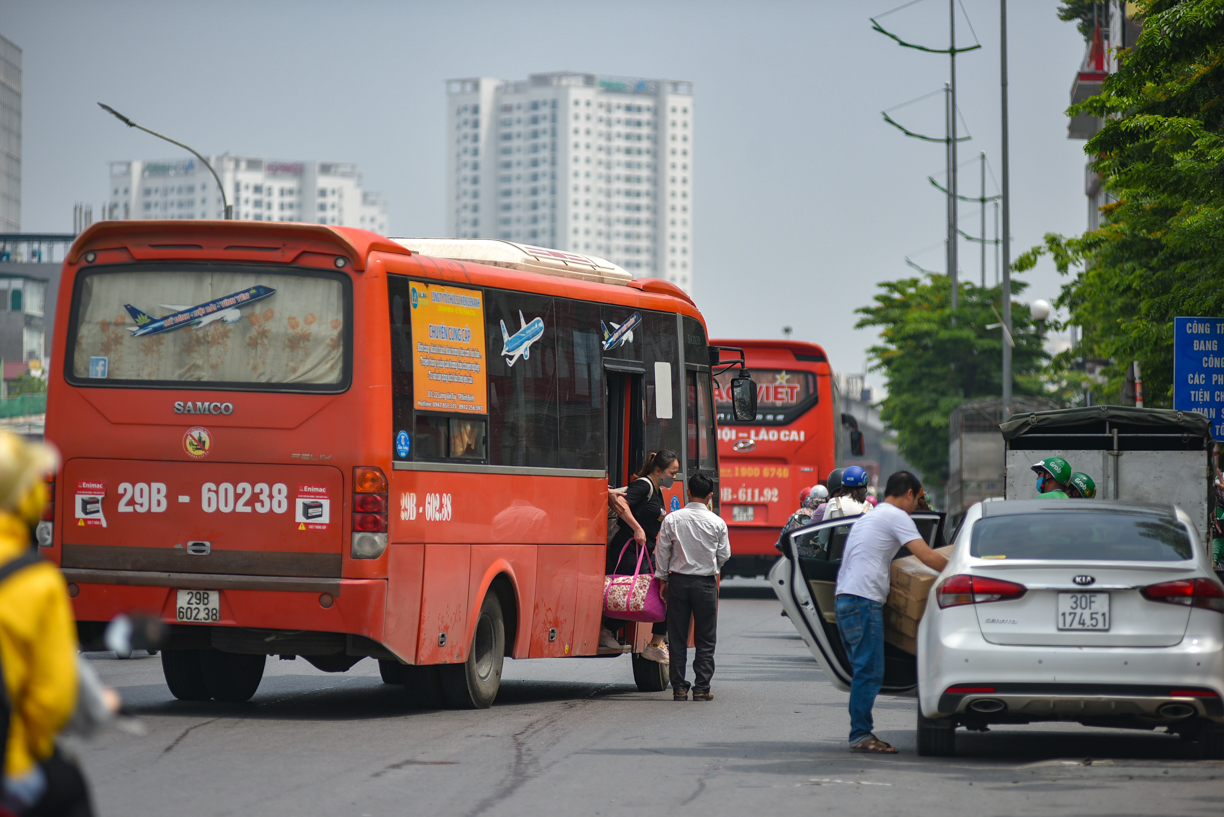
(821,491)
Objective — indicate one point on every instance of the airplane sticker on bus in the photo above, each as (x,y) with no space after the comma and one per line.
(621,333)
(519,344)
(225,309)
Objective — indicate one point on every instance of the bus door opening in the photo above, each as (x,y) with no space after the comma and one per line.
(625,426)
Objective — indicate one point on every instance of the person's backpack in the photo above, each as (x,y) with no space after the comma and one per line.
(30,557)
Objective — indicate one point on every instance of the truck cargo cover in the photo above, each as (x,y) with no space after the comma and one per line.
(1145,419)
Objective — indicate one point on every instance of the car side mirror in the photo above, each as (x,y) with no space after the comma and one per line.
(744,397)
(857,448)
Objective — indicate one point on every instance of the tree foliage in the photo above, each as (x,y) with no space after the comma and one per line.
(1085,13)
(1159,252)
(27,384)
(935,359)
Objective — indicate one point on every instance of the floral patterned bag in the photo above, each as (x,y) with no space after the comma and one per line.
(636,597)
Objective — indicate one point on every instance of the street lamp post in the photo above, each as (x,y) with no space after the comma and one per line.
(229,211)
(1006,236)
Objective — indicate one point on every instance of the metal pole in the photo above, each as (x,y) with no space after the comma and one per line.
(1006,235)
(983,232)
(229,211)
(948,163)
(953,238)
(996,242)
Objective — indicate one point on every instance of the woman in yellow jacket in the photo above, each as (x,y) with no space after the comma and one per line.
(38,646)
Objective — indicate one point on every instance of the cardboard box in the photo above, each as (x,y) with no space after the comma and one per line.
(910,584)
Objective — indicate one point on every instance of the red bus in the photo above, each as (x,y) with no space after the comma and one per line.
(792,444)
(298,440)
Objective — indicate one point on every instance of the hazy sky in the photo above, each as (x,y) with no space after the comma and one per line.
(804,197)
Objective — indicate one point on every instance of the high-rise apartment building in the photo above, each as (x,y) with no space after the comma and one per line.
(259,190)
(10,137)
(578,162)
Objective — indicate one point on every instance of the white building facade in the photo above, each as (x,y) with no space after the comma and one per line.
(577,162)
(10,137)
(259,190)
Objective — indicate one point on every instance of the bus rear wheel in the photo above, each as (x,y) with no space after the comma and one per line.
(232,677)
(474,683)
(184,675)
(650,676)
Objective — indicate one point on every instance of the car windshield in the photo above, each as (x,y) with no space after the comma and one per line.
(218,325)
(1081,535)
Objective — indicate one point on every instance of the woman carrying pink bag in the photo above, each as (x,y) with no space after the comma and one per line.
(644,497)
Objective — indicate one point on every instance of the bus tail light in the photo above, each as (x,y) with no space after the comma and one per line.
(369,513)
(44,531)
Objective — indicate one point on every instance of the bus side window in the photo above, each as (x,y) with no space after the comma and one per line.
(662,345)
(401,363)
(521,355)
(580,389)
(700,423)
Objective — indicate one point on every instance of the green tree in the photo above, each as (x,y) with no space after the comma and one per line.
(27,384)
(935,359)
(1159,252)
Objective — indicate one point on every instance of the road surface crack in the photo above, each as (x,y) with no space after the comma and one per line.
(185,733)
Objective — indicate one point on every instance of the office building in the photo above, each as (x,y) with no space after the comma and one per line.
(577,162)
(10,137)
(258,189)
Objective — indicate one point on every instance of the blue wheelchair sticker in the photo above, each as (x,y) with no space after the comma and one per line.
(402,444)
(675,503)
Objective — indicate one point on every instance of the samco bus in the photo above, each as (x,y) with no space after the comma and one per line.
(764,463)
(296,440)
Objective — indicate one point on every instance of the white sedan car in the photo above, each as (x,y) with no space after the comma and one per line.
(1100,613)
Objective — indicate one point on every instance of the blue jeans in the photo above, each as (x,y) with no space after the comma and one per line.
(860,622)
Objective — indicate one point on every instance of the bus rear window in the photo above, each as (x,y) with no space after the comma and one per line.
(222,327)
(776,389)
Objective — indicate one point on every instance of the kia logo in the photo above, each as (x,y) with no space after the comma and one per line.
(1084,581)
(745,445)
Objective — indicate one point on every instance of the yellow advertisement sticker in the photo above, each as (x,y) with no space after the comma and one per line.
(448,348)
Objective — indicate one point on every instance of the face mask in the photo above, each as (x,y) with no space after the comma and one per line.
(666,480)
(1040,482)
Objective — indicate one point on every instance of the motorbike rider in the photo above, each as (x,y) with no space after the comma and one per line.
(834,483)
(851,499)
(1081,486)
(1053,475)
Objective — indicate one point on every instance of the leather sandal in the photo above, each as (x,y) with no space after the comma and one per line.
(703,696)
(873,746)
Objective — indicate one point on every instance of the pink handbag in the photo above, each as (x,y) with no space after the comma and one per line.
(636,597)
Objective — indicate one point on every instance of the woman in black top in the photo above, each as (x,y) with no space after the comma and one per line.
(645,499)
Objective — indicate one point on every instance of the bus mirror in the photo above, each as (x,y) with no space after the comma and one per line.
(856,443)
(744,397)
(714,356)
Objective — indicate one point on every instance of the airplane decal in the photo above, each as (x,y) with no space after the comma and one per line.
(219,309)
(622,332)
(519,344)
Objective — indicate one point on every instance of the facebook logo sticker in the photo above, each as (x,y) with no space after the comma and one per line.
(97,367)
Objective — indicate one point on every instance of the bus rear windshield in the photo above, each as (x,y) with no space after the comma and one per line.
(231,326)
(1081,535)
(776,389)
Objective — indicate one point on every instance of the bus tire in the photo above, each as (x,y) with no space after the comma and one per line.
(474,683)
(232,677)
(392,671)
(184,675)
(650,676)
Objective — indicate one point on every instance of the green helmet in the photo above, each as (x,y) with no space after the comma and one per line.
(1083,484)
(1056,467)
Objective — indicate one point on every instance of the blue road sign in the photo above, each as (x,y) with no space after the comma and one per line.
(1198,369)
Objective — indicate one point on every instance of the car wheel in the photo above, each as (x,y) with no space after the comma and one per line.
(232,677)
(650,676)
(474,683)
(936,738)
(184,675)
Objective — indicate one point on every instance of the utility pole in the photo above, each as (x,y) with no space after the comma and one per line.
(949,252)
(1006,234)
(983,232)
(952,225)
(996,241)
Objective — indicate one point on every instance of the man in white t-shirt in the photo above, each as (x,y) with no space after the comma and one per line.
(862,589)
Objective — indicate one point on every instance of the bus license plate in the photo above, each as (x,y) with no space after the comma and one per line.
(202,606)
(742,513)
(1083,611)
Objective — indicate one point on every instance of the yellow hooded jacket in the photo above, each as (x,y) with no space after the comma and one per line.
(38,645)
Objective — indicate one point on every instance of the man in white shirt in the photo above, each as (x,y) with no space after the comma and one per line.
(862,589)
(690,551)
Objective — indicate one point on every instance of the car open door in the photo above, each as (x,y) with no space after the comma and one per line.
(805,579)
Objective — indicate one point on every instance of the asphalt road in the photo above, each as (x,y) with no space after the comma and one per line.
(575,737)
